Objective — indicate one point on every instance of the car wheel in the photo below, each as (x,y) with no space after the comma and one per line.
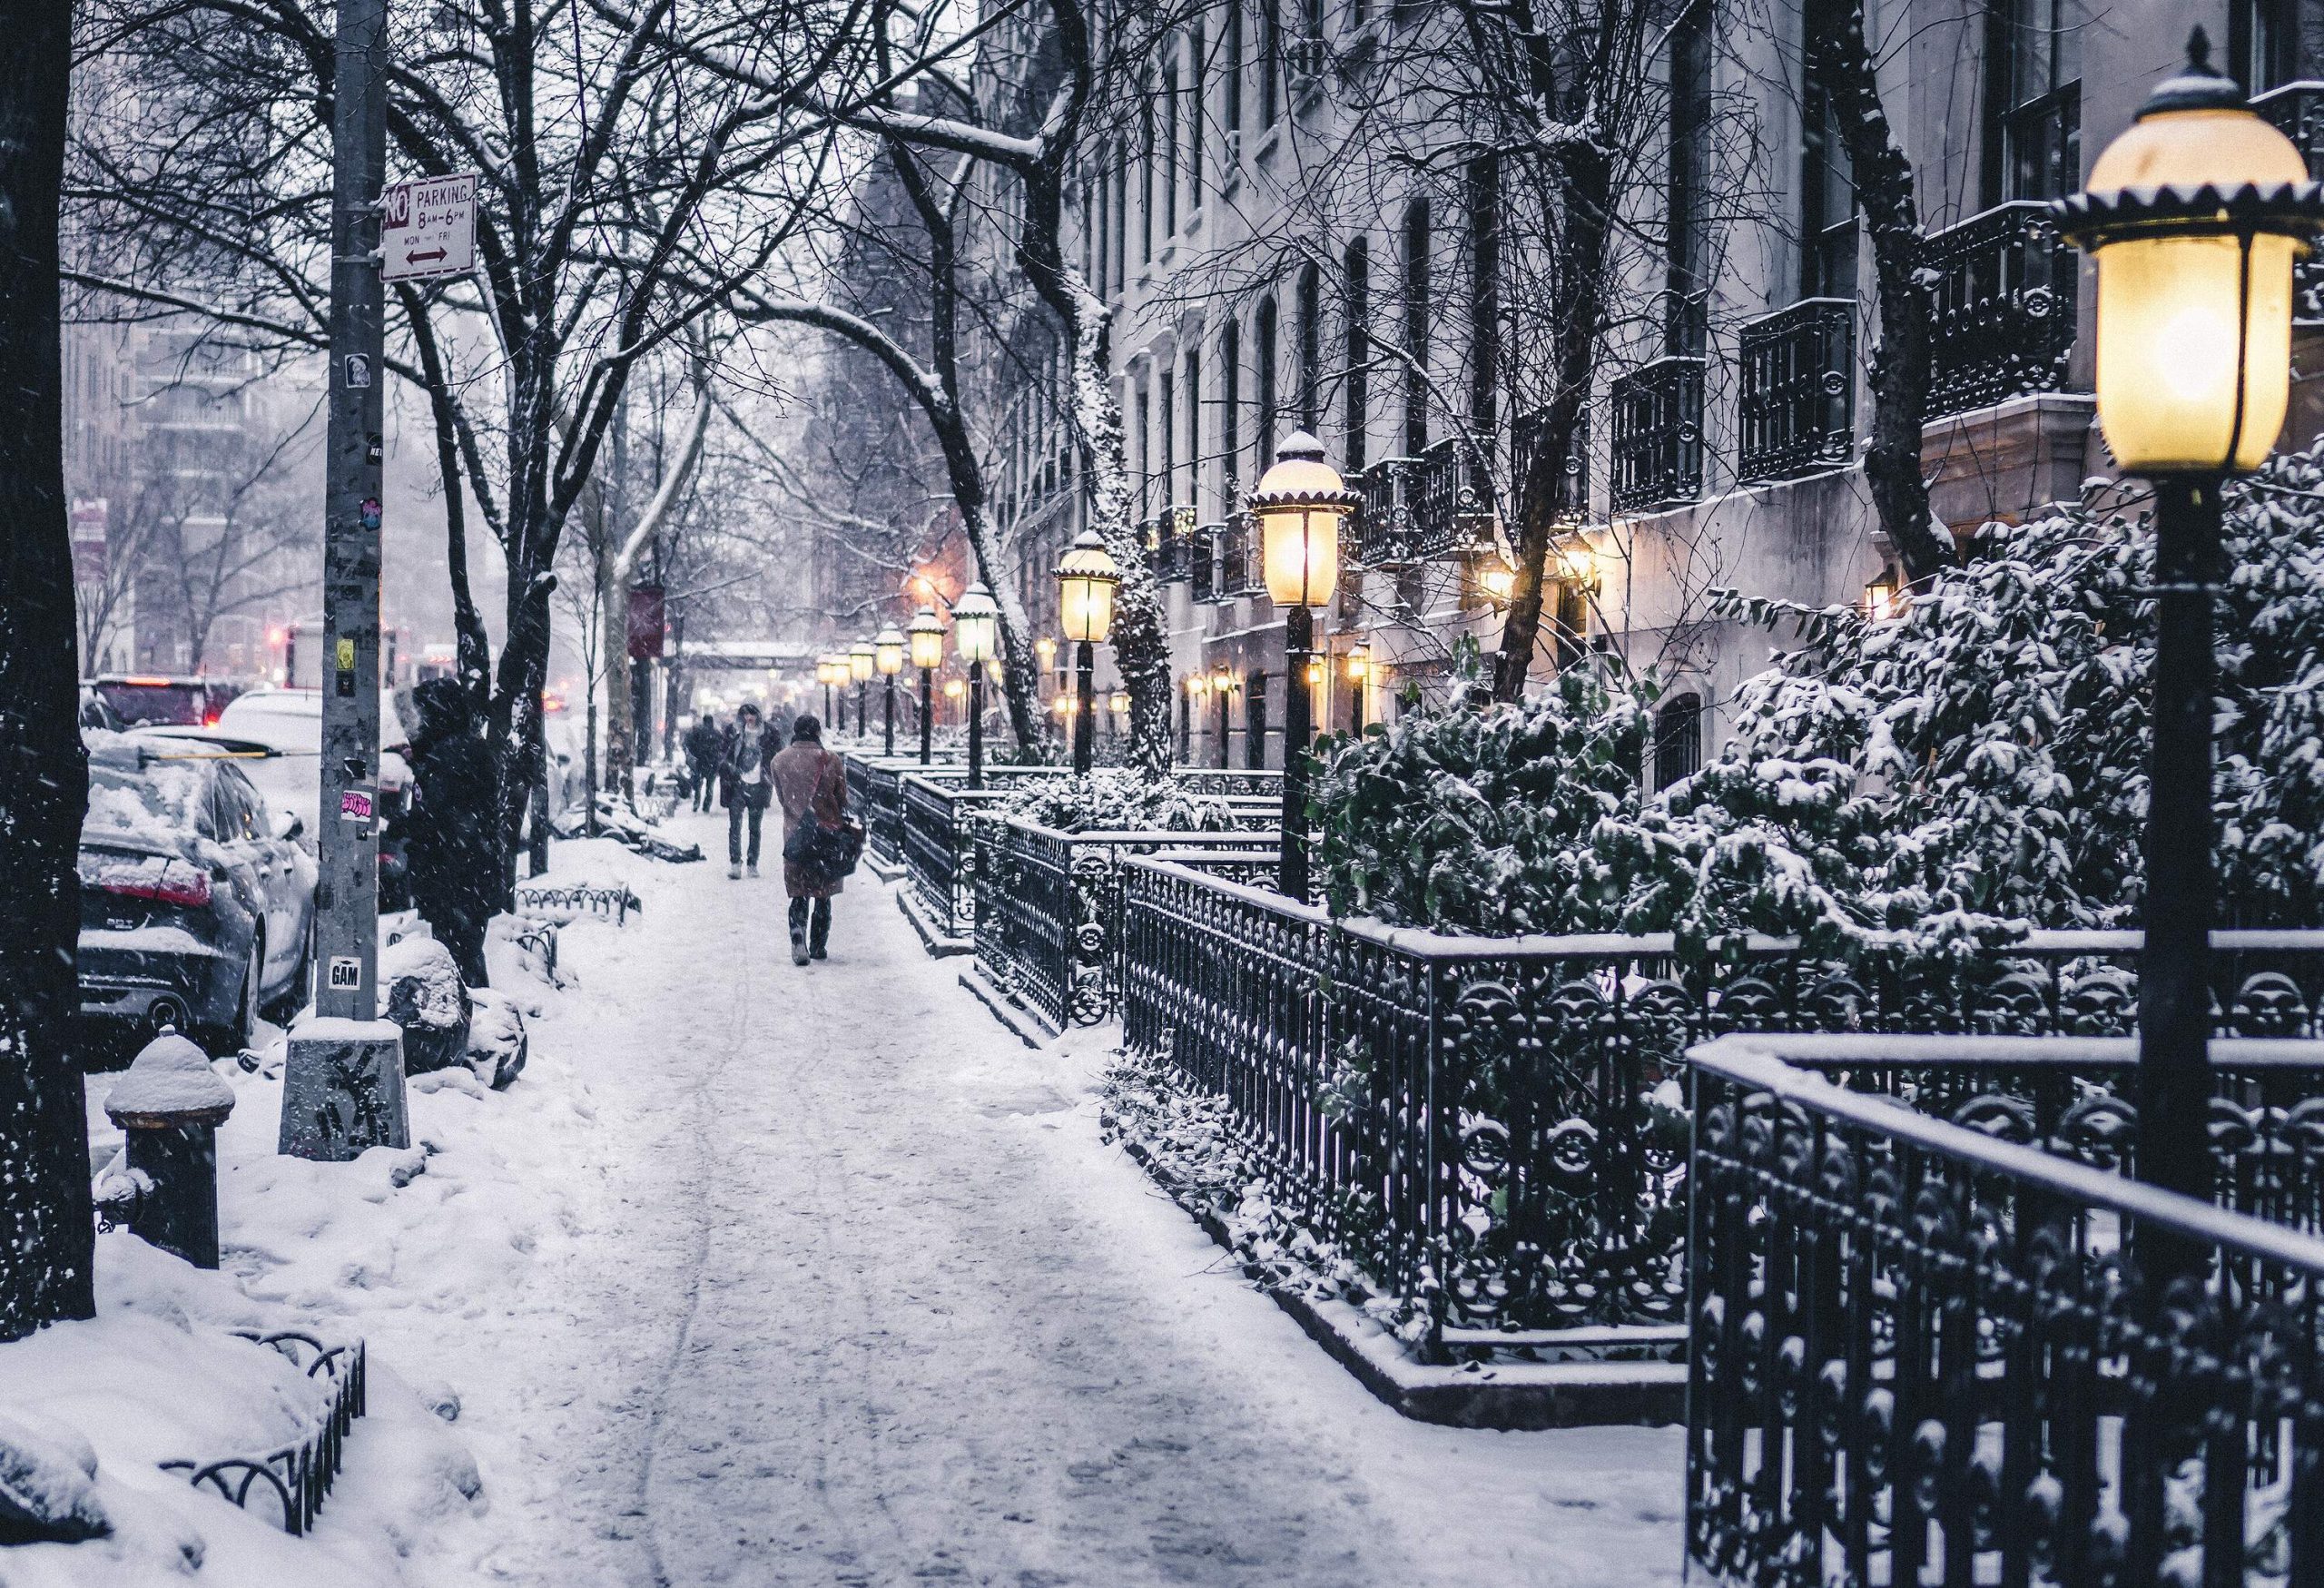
(299,990)
(243,1032)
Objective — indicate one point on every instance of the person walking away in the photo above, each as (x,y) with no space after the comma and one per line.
(812,783)
(703,745)
(743,766)
(448,852)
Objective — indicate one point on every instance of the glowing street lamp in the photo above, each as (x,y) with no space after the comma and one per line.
(927,634)
(1086,581)
(1222,688)
(1300,503)
(976,625)
(2193,217)
(861,661)
(887,657)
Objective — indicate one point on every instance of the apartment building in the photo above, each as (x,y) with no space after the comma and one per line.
(1293,227)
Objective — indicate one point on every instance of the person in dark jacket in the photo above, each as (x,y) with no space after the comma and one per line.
(703,742)
(812,783)
(746,751)
(448,833)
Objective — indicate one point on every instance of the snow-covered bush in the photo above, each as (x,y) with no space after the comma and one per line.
(1112,800)
(1973,767)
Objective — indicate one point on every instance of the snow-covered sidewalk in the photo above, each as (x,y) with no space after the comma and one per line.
(761,1275)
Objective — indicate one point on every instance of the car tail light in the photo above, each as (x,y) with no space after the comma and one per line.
(165,882)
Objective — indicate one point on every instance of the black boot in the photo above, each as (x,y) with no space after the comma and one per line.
(798,932)
(819,931)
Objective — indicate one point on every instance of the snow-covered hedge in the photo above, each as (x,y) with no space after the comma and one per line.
(1112,800)
(1973,766)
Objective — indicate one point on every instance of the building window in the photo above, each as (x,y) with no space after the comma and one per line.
(1230,411)
(1263,349)
(1416,243)
(1687,274)
(1827,187)
(1143,433)
(1146,181)
(1485,289)
(1233,67)
(1165,404)
(2032,134)
(1270,61)
(1357,391)
(1193,380)
(1198,113)
(1170,150)
(1311,348)
(1677,739)
(1122,215)
(2264,46)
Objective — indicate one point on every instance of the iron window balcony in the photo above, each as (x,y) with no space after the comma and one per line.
(2003,308)
(1658,444)
(1798,404)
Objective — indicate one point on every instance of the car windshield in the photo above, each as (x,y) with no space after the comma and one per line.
(157,802)
(156,701)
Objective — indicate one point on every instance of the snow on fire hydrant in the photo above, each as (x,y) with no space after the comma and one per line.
(169,1106)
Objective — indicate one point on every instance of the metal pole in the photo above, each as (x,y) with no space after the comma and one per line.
(1299,646)
(976,725)
(862,709)
(2174,968)
(1225,690)
(927,711)
(888,711)
(344,1092)
(1356,707)
(1085,713)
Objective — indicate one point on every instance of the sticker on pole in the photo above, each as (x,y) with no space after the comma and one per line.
(345,972)
(355,805)
(427,229)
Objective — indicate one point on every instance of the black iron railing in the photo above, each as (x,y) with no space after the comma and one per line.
(1449,498)
(1177,531)
(1239,572)
(940,860)
(1386,534)
(298,1475)
(2002,313)
(1202,562)
(1496,1126)
(1658,443)
(1048,913)
(1799,367)
(2297,109)
(1569,492)
(1921,1355)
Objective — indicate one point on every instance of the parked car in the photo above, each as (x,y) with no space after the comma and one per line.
(95,713)
(278,735)
(196,910)
(139,698)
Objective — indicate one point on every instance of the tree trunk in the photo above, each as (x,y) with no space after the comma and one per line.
(1900,361)
(47,1225)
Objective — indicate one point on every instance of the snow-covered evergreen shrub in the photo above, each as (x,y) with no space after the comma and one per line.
(1113,800)
(1973,767)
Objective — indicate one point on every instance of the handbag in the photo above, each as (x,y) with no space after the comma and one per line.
(830,851)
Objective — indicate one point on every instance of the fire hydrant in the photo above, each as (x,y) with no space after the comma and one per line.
(169,1106)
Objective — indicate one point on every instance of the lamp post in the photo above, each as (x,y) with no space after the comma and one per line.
(861,661)
(827,675)
(927,634)
(2193,217)
(1086,581)
(1222,687)
(1300,504)
(1359,677)
(887,657)
(976,618)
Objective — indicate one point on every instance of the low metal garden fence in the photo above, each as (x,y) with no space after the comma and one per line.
(299,1475)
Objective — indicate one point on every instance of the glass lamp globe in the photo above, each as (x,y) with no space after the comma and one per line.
(1086,582)
(2194,217)
(927,634)
(1300,504)
(860,660)
(888,651)
(1359,661)
(976,622)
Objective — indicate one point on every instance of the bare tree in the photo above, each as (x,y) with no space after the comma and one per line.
(47,1230)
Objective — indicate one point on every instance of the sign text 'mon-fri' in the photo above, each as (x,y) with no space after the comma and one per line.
(428,228)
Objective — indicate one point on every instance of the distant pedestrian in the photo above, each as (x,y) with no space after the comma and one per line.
(703,745)
(747,749)
(812,783)
(452,859)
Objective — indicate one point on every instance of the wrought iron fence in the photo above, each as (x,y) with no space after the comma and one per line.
(2002,313)
(1448,499)
(1047,911)
(2296,110)
(561,904)
(1386,534)
(1176,565)
(1202,560)
(1496,1127)
(938,857)
(1921,1355)
(299,1475)
(1658,443)
(1798,396)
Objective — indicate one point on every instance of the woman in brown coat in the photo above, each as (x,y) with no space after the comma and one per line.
(810,782)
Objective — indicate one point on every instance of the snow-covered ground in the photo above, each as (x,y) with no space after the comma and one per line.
(770,1276)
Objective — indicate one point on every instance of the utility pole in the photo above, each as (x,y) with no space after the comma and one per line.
(343,1083)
